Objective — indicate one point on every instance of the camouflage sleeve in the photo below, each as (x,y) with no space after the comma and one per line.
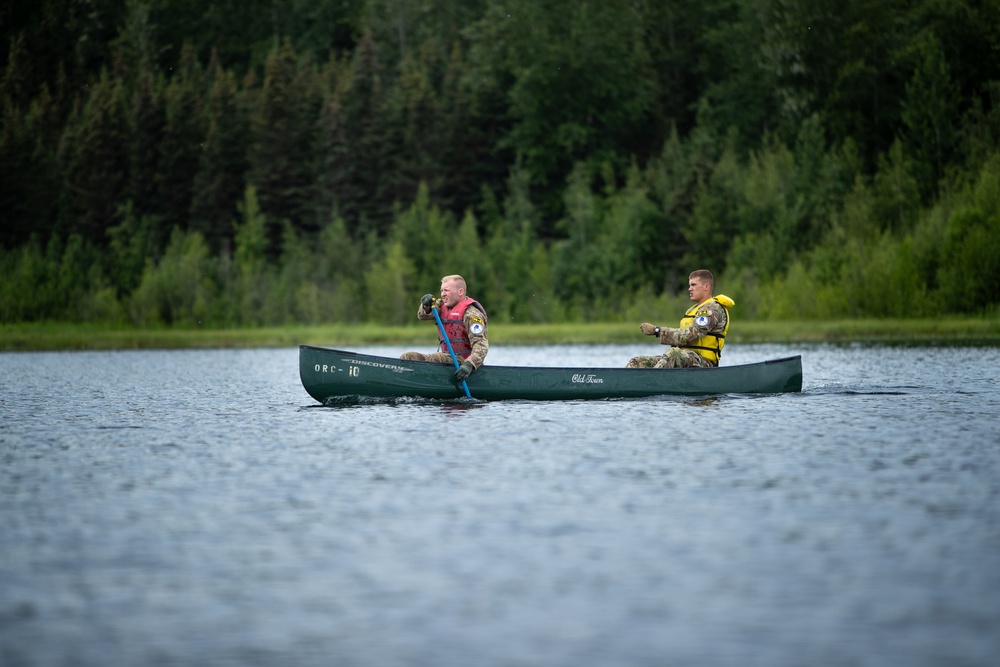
(716,323)
(475,325)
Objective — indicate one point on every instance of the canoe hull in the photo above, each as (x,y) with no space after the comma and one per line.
(329,374)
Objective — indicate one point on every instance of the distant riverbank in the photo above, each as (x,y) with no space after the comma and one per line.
(60,336)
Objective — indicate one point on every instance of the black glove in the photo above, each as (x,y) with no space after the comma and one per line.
(426,301)
(465,370)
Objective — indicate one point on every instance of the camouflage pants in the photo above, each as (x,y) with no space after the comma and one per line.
(675,357)
(433,357)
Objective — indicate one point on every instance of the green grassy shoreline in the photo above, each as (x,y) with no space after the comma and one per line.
(58,336)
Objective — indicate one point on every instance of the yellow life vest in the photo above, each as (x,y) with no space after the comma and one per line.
(710,345)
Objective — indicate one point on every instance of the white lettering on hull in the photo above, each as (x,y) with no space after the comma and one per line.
(353,369)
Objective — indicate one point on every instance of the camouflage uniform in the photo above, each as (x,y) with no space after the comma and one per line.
(480,344)
(677,357)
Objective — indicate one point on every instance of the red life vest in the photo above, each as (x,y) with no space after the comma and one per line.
(454,327)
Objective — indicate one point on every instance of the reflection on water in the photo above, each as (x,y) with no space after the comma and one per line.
(703,402)
(457,407)
(449,405)
(181,508)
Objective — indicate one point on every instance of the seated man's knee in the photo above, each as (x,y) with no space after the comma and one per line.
(673,358)
(641,362)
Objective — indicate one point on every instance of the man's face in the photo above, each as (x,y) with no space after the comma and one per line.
(451,293)
(698,290)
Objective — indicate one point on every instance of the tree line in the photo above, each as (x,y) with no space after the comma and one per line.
(229,164)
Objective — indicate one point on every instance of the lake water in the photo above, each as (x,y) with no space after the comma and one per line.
(197,508)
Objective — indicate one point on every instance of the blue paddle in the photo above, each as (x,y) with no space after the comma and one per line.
(444,336)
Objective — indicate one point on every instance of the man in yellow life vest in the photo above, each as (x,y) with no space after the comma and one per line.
(698,341)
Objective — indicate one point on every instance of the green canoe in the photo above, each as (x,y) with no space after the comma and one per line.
(330,375)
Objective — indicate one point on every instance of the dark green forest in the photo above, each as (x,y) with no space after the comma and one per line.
(224,163)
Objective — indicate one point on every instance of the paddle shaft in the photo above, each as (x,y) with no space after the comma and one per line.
(444,337)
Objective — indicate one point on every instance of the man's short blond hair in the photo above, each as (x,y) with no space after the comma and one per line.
(456,278)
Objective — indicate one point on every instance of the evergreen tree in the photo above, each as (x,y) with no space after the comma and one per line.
(467,160)
(418,164)
(510,246)
(389,286)
(427,233)
(575,255)
(183,135)
(219,182)
(247,288)
(147,126)
(672,183)
(279,157)
(29,178)
(747,62)
(674,36)
(929,116)
(897,192)
(714,220)
(340,266)
(467,260)
(367,197)
(133,241)
(94,157)
(336,170)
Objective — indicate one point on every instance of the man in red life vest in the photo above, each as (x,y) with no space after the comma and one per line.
(464,321)
(698,341)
